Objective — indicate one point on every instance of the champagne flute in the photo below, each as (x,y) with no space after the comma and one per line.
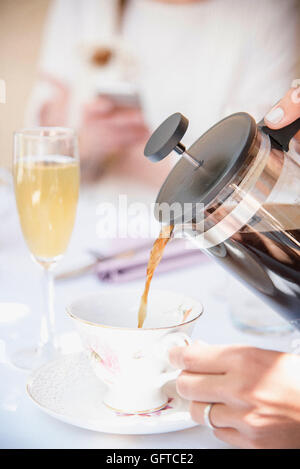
(46,181)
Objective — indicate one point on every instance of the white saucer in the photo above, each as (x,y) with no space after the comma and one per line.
(68,390)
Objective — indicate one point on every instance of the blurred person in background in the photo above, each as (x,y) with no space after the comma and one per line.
(115,69)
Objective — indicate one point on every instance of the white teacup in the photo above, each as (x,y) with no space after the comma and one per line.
(133,362)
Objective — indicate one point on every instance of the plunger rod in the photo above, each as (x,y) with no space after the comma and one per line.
(180,149)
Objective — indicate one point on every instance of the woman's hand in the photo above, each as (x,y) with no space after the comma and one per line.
(108,131)
(256,393)
(287,110)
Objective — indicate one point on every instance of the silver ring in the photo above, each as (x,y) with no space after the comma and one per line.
(207,420)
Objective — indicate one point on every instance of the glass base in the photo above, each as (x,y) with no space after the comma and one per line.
(32,358)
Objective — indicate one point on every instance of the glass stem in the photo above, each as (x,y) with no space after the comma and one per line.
(48,338)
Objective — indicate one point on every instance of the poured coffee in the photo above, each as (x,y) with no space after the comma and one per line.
(155,258)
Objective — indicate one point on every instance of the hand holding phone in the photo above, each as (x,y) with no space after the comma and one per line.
(107,129)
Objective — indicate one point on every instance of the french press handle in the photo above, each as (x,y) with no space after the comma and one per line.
(280,138)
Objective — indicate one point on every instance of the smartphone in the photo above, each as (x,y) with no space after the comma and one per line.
(122,94)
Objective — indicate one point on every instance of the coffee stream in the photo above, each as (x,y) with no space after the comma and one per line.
(155,258)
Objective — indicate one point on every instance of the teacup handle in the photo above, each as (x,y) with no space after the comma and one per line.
(176,339)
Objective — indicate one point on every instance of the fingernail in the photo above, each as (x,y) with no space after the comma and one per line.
(296,83)
(295,96)
(275,115)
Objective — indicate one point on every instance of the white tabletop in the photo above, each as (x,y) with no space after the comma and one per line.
(23,425)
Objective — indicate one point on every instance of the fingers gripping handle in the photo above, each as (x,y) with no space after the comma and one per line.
(177,339)
(280,138)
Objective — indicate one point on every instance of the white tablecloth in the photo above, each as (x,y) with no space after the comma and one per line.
(22,424)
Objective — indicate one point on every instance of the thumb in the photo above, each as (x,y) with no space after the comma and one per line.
(286,111)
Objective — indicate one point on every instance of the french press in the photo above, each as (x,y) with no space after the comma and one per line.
(244,178)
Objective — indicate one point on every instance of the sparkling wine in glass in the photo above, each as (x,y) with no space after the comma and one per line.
(46,181)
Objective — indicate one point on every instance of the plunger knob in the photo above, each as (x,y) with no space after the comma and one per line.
(166,138)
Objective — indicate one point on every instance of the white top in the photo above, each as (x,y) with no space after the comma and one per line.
(205,59)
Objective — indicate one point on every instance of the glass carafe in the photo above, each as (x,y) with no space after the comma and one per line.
(242,181)
(252,227)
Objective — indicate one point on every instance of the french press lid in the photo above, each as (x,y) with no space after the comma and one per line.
(210,163)
(205,168)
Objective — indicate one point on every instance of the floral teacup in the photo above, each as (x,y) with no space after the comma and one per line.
(133,362)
